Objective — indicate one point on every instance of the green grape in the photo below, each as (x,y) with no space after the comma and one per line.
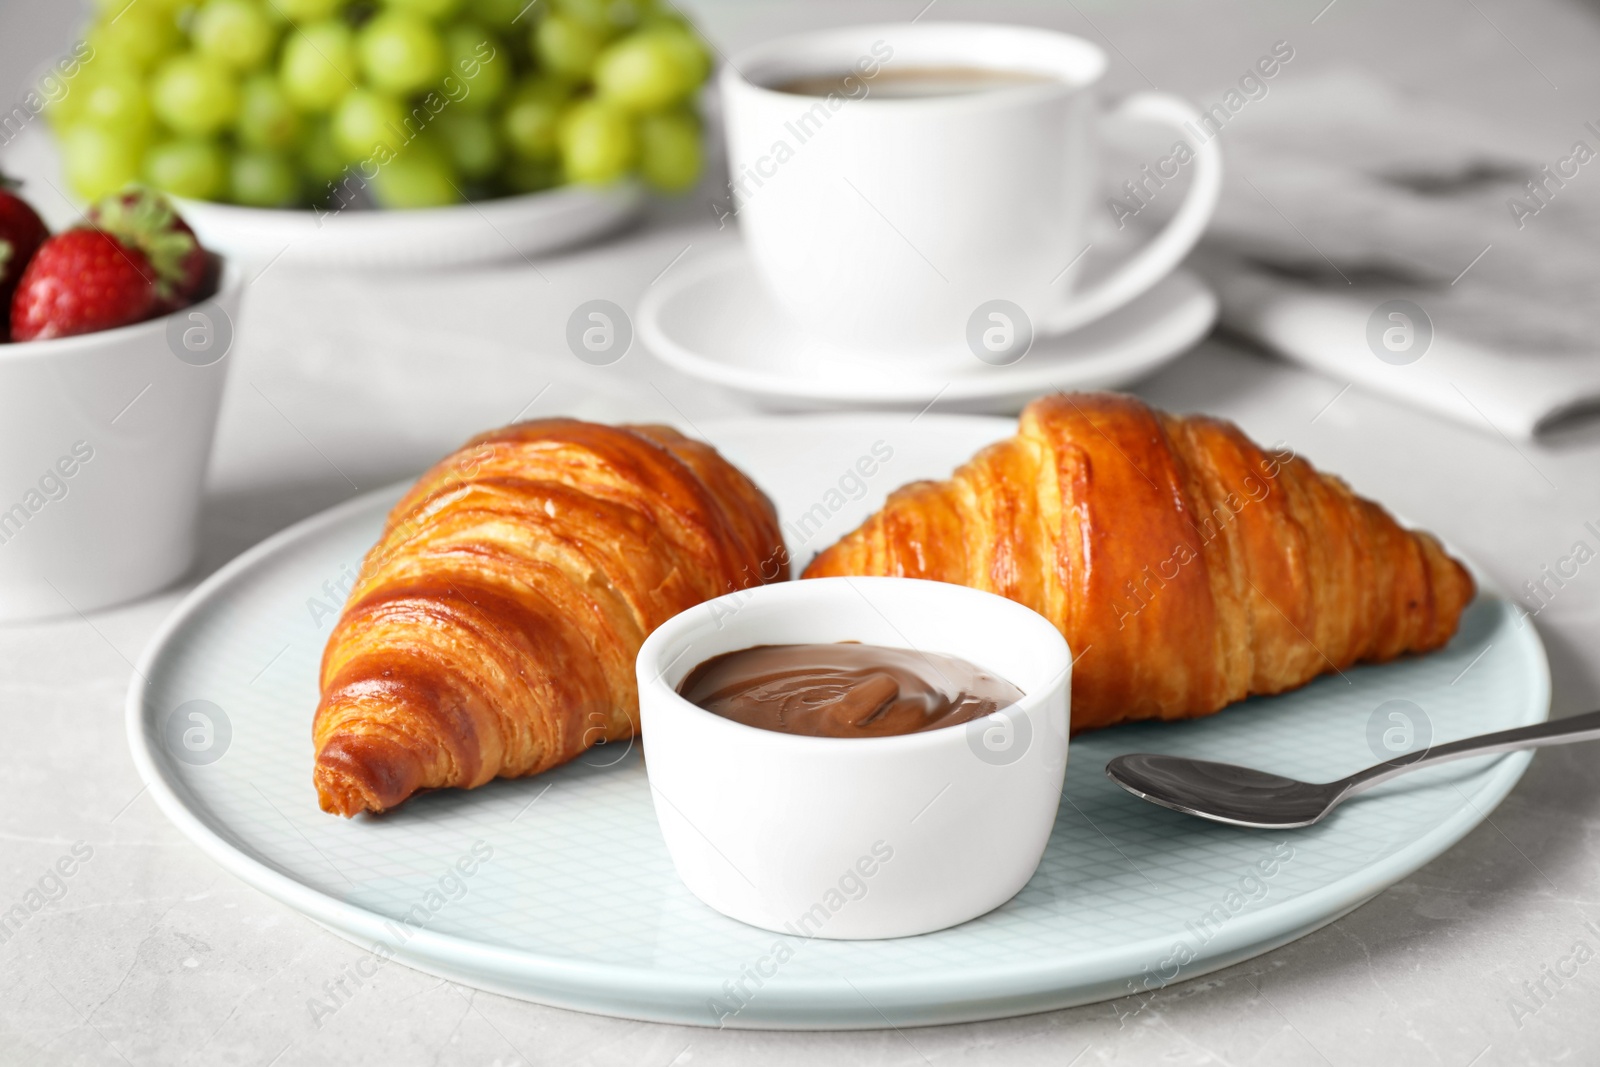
(428,9)
(626,15)
(400,52)
(595,14)
(669,150)
(501,14)
(667,18)
(418,177)
(643,72)
(689,52)
(263,179)
(138,37)
(301,11)
(318,65)
(597,142)
(320,157)
(194,95)
(565,46)
(531,119)
(115,100)
(192,167)
(481,61)
(366,121)
(57,89)
(96,161)
(236,33)
(266,117)
(114,9)
(531,176)
(62,111)
(471,142)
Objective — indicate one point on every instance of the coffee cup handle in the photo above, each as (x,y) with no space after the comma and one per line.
(1167,249)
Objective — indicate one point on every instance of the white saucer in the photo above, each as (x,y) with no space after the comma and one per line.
(715,322)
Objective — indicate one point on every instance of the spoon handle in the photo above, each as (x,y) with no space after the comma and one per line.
(1585,727)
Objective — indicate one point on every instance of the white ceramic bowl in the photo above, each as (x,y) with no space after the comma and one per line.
(104,439)
(486,231)
(858,837)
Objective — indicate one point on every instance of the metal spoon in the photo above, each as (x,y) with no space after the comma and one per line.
(1225,792)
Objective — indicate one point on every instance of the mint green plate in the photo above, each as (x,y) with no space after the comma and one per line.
(558,888)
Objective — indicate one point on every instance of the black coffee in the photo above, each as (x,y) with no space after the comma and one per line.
(911,82)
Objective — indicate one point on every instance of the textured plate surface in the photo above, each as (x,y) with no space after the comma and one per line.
(570,898)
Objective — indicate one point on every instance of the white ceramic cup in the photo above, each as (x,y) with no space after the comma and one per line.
(857,837)
(897,227)
(104,440)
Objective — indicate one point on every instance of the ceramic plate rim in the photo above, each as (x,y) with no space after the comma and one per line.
(626,982)
(362,224)
(976,387)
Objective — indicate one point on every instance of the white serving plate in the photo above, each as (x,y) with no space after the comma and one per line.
(488,231)
(485,231)
(577,904)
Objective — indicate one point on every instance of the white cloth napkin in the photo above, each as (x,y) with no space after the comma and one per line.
(1343,196)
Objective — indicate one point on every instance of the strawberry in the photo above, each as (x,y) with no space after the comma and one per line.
(21,234)
(201,271)
(81,281)
(145,220)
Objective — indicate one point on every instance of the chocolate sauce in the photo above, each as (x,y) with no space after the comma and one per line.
(845,689)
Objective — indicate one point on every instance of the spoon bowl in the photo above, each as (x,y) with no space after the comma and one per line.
(1223,792)
(1240,796)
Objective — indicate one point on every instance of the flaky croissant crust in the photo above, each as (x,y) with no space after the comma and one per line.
(1187,567)
(492,629)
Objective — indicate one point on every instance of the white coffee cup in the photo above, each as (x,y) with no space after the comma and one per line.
(903,226)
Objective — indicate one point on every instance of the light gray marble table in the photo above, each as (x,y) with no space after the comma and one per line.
(155,956)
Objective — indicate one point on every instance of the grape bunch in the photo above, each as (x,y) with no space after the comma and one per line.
(416,103)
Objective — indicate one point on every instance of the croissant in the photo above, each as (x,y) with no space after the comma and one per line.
(1186,567)
(492,630)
